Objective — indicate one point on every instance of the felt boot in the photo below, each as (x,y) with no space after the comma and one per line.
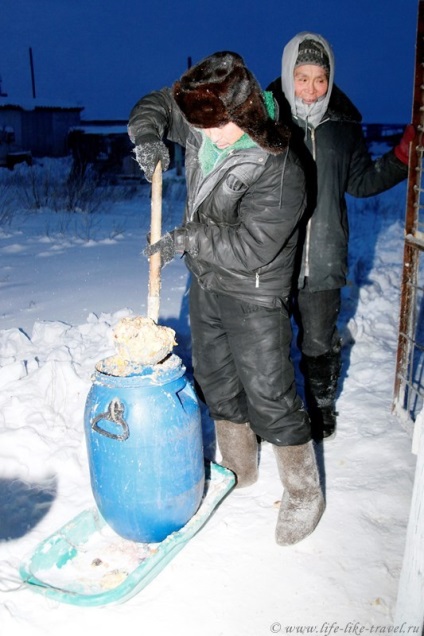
(302,504)
(239,449)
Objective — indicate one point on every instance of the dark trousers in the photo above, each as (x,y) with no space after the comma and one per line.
(241,361)
(316,315)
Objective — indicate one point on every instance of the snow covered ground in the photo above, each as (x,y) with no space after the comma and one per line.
(65,280)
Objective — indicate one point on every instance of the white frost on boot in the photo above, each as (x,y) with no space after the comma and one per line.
(302,504)
(238,446)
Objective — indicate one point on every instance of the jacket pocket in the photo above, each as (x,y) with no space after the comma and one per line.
(234,185)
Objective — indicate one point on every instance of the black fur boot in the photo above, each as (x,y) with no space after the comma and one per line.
(321,375)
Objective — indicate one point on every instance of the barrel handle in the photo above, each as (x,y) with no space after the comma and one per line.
(114,414)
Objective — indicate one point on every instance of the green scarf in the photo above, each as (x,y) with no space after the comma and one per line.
(210,156)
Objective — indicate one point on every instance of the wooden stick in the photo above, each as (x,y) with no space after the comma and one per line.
(153,299)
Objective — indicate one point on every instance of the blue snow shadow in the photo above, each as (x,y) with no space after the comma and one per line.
(23,504)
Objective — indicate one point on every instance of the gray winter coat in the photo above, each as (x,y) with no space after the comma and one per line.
(336,162)
(242,218)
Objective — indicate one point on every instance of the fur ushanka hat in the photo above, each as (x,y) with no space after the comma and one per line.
(220,89)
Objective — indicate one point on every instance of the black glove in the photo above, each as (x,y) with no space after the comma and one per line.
(169,245)
(148,155)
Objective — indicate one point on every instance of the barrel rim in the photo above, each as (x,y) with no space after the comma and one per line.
(163,373)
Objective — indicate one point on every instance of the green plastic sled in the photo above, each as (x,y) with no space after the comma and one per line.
(87,563)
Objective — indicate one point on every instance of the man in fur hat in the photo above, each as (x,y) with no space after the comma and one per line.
(327,136)
(246,196)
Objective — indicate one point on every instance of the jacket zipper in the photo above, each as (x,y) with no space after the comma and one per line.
(308,227)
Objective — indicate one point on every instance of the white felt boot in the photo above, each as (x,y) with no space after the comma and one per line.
(239,449)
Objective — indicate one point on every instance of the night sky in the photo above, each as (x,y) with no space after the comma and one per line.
(105,54)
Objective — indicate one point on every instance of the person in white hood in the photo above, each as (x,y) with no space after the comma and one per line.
(328,138)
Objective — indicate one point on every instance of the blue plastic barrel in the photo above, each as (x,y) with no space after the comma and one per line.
(144,443)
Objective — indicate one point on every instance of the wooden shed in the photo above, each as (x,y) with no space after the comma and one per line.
(106,146)
(40,128)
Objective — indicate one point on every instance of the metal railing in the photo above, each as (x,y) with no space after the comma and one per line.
(409,381)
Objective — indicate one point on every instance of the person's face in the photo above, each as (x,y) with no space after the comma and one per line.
(310,82)
(225,135)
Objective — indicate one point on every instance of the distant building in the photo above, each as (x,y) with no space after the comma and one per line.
(106,146)
(36,128)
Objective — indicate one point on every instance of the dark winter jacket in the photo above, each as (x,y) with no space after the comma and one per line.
(336,162)
(241,219)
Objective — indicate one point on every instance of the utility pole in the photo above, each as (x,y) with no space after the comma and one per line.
(31,63)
